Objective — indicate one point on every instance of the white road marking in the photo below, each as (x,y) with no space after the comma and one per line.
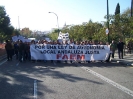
(17,64)
(3,62)
(122,88)
(35,89)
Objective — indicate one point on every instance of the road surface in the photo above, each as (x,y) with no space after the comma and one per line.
(41,80)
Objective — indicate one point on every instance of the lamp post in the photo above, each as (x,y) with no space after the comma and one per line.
(18,23)
(108,18)
(57,21)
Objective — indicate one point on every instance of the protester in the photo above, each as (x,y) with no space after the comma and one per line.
(26,50)
(8,48)
(120,47)
(129,47)
(108,45)
(16,48)
(113,47)
(21,51)
(12,43)
(40,45)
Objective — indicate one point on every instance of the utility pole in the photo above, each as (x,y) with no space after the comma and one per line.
(108,19)
(131,8)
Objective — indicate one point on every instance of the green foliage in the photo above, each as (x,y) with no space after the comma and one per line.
(6,29)
(120,26)
(53,36)
(16,32)
(4,19)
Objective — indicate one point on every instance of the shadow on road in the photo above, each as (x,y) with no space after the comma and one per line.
(17,82)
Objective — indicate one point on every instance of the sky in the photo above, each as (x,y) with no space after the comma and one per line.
(34,13)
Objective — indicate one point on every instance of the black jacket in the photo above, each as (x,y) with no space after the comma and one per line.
(120,45)
(8,46)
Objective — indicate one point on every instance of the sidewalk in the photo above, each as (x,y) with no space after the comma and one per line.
(128,59)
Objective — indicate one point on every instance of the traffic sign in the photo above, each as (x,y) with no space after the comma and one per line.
(107,31)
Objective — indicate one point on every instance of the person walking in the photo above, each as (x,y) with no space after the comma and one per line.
(113,47)
(16,48)
(129,47)
(120,47)
(21,51)
(8,48)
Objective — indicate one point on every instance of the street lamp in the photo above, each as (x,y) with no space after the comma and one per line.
(57,21)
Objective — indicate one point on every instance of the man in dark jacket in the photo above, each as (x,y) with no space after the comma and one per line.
(8,48)
(120,47)
(16,47)
(21,51)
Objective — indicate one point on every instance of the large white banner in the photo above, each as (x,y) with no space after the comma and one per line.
(69,52)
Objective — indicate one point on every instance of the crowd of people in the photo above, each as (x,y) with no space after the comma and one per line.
(21,50)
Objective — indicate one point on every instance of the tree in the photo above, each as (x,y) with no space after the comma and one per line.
(121,26)
(26,32)
(6,29)
(117,10)
(90,21)
(53,36)
(4,19)
(16,32)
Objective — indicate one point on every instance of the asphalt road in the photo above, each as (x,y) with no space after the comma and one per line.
(41,80)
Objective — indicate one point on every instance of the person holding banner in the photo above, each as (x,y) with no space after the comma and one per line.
(32,43)
(108,45)
(66,43)
(59,42)
(45,43)
(72,44)
(88,43)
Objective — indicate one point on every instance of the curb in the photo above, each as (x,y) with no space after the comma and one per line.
(123,62)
